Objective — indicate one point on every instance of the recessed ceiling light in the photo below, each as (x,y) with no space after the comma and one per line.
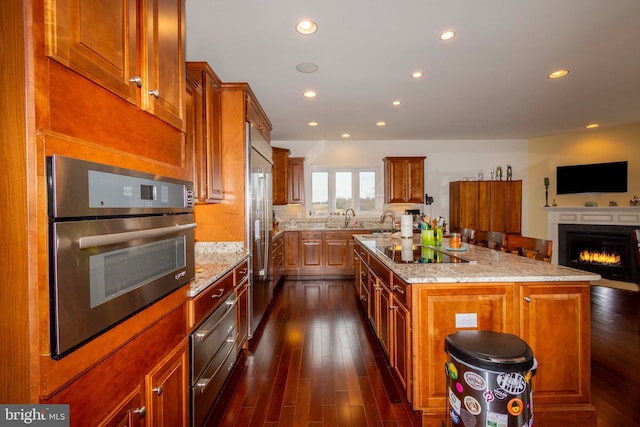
(396,103)
(417,74)
(306,27)
(307,67)
(447,35)
(312,124)
(310,94)
(592,126)
(381,123)
(558,74)
(345,135)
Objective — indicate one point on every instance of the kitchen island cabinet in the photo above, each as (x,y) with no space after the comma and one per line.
(545,305)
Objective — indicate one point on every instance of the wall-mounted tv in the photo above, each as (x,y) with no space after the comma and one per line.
(593,178)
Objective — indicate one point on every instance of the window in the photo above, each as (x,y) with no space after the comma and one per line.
(335,190)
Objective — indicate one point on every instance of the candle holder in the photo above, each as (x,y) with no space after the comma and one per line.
(546,192)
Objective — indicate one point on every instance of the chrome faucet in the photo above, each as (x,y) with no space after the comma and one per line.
(347,217)
(393,218)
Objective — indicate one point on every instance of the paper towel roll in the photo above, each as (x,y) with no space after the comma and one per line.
(406,226)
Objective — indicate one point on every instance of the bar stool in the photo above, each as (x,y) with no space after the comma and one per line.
(490,239)
(529,247)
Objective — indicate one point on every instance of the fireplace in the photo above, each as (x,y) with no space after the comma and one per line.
(603,249)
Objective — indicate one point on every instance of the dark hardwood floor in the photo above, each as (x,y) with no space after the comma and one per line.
(317,363)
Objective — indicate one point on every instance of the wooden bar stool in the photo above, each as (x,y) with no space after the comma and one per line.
(529,247)
(490,239)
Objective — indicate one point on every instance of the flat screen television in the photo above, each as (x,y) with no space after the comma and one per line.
(593,178)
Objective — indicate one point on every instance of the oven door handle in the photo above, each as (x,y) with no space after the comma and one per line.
(112,239)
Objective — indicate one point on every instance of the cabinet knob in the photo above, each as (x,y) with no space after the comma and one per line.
(527,299)
(155,93)
(136,80)
(157,390)
(141,412)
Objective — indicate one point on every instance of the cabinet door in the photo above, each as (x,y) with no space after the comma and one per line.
(213,140)
(468,204)
(440,312)
(336,250)
(311,250)
(163,50)
(280,176)
(194,138)
(415,180)
(291,251)
(242,313)
(498,206)
(565,311)
(383,313)
(404,179)
(513,207)
(296,180)
(131,412)
(483,205)
(401,348)
(167,391)
(97,39)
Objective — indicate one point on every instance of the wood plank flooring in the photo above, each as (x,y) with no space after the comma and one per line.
(317,363)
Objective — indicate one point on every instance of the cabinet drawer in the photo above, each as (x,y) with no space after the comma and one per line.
(202,305)
(400,290)
(241,271)
(311,235)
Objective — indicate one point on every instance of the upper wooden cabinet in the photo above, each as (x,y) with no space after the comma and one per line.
(296,180)
(280,176)
(404,179)
(257,117)
(486,205)
(203,125)
(133,48)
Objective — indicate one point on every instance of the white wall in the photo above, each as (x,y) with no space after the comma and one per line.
(446,161)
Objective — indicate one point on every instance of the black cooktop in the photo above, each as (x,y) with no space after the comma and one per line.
(411,253)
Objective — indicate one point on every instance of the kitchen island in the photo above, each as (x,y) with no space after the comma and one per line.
(415,299)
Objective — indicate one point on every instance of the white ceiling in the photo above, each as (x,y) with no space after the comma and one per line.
(489,82)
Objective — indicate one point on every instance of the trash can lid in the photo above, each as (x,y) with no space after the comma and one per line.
(491,350)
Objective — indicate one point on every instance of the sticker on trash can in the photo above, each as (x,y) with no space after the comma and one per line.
(497,420)
(475,381)
(472,405)
(512,382)
(454,401)
(467,419)
(515,407)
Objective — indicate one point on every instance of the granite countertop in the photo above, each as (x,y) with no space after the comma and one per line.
(214,260)
(486,265)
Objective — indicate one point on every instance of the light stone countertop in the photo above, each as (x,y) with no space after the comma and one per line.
(215,259)
(486,265)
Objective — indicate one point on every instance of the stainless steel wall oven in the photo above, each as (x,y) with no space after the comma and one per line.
(119,240)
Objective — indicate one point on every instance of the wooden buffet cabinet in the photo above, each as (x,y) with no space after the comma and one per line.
(486,205)
(412,320)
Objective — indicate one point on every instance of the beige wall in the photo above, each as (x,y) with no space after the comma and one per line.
(593,146)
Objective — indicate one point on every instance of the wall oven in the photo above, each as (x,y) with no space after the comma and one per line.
(119,240)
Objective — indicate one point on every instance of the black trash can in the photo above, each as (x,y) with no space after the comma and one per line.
(489,380)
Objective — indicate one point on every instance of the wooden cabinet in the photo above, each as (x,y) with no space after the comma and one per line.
(486,205)
(291,252)
(131,412)
(280,176)
(242,312)
(296,180)
(277,257)
(166,391)
(311,250)
(401,330)
(203,127)
(134,49)
(338,251)
(563,309)
(404,179)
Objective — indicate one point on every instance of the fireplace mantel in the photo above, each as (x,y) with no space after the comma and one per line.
(587,215)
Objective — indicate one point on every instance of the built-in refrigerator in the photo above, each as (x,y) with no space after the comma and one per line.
(259,218)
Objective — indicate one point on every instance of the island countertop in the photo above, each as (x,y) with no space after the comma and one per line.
(486,265)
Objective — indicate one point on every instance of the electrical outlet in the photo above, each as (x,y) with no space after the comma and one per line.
(466,320)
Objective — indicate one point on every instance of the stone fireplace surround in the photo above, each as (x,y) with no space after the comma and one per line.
(624,216)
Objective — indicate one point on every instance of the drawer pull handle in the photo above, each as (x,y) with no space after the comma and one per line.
(399,289)
(157,390)
(136,80)
(141,412)
(527,299)
(219,294)
(155,93)
(243,271)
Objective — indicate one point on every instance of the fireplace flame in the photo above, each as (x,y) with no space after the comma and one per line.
(603,258)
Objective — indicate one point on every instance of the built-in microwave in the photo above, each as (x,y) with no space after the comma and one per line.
(119,240)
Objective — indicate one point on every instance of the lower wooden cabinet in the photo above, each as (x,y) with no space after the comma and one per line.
(412,321)
(131,412)
(242,313)
(166,391)
(277,258)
